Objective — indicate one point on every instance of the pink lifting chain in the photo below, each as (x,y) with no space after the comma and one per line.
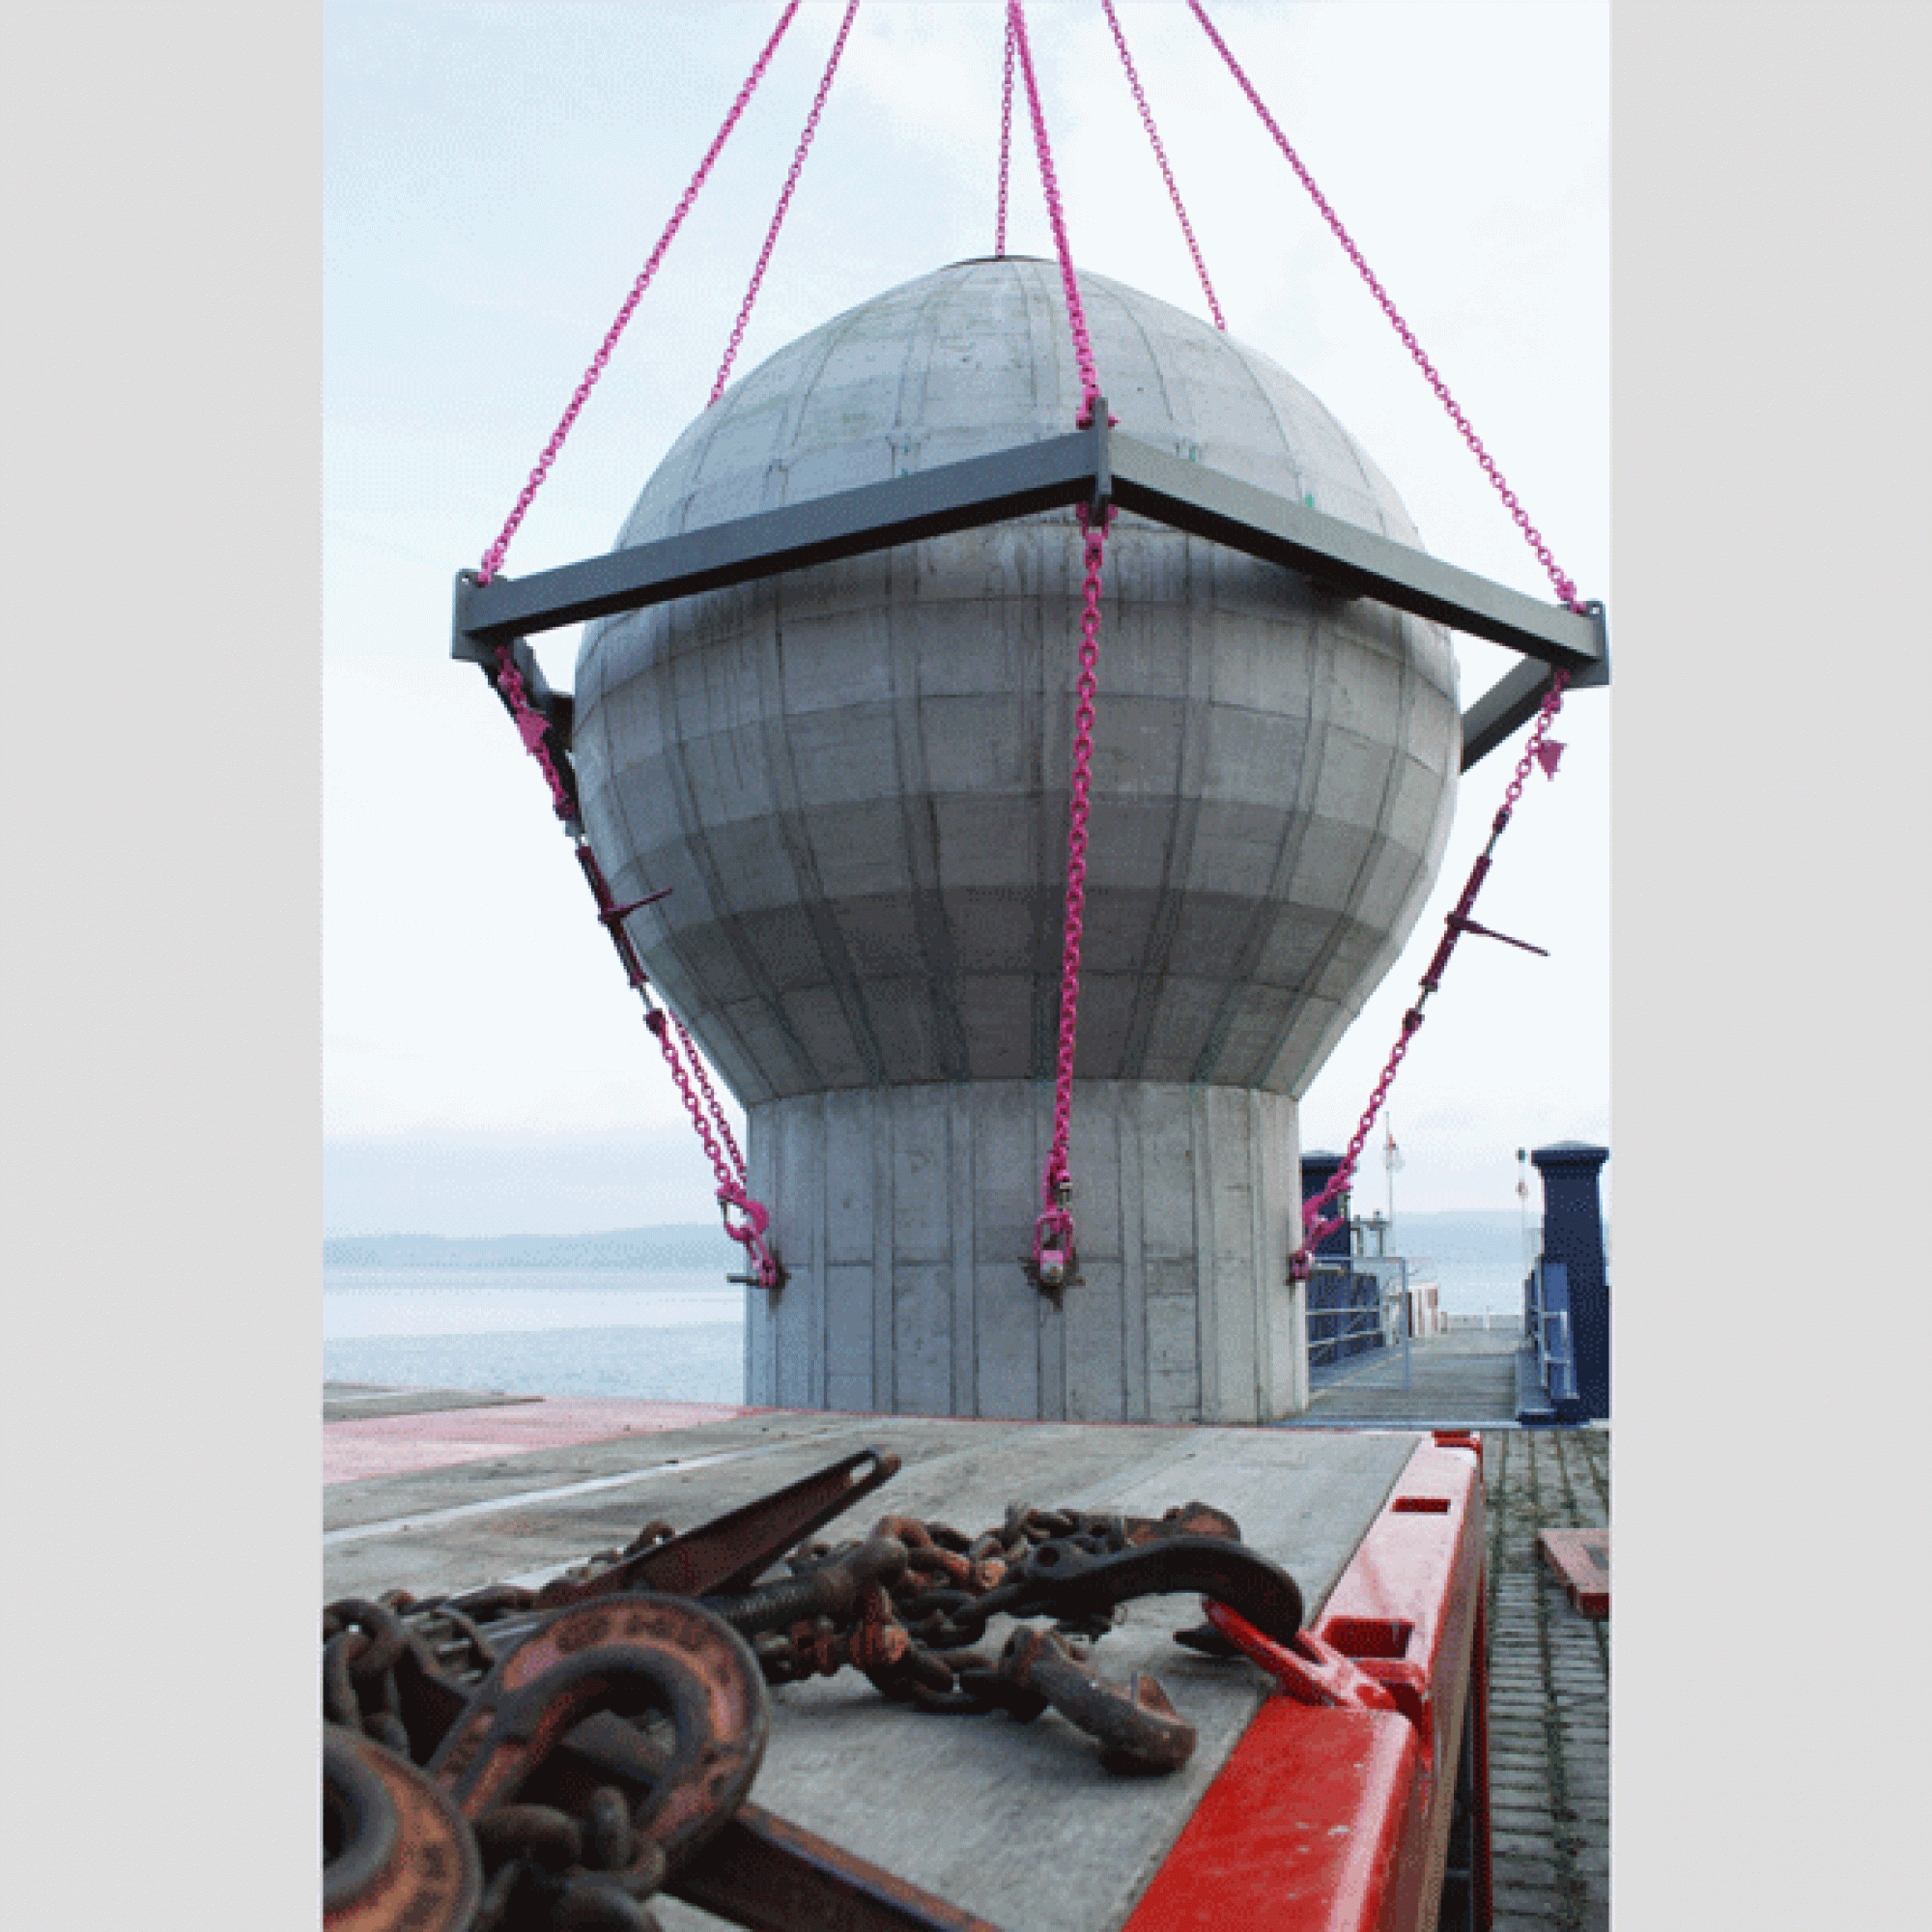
(1540,750)
(680,1052)
(1083,349)
(1537,751)
(1166,173)
(492,559)
(1053,1253)
(784,202)
(1054,1230)
(1005,140)
(1565,588)
(732,1177)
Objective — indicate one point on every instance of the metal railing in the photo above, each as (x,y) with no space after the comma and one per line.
(1379,1331)
(1547,1325)
(1336,1333)
(1405,1281)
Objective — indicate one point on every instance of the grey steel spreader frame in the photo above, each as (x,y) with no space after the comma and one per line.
(1096,466)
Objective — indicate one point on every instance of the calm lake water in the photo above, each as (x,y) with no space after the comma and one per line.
(659,1337)
(670,1337)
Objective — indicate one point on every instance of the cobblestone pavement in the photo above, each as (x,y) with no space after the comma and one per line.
(1549,1687)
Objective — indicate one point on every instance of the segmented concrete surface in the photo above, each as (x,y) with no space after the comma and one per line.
(847,789)
(1549,1687)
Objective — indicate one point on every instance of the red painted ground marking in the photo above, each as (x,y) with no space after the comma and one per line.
(393,1445)
(1582,1560)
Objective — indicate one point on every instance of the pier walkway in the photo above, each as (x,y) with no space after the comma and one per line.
(1465,1379)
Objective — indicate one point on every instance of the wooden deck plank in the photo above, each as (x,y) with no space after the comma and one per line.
(521,1518)
(348,1401)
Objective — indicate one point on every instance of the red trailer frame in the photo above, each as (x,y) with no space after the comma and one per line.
(1335,1810)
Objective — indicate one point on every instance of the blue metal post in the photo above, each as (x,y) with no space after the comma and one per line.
(1572,1234)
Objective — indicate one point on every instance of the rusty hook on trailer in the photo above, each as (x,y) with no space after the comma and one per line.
(1072,1584)
(729,1554)
(1139,1730)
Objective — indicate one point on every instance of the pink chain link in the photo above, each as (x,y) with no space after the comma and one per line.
(1056,1223)
(1083,349)
(1565,588)
(717,1118)
(732,1191)
(732,1179)
(784,202)
(1535,750)
(1055,1226)
(1166,173)
(1005,141)
(1313,1228)
(493,560)
(531,727)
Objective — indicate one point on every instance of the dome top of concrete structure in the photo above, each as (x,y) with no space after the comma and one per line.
(854,777)
(977,356)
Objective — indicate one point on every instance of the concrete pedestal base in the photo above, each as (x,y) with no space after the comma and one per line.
(902,1214)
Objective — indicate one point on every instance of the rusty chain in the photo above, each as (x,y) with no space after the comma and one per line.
(496,1764)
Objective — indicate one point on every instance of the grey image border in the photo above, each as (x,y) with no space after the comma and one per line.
(159,983)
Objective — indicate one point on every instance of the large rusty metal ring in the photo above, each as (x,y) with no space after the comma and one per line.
(395,1850)
(626,1655)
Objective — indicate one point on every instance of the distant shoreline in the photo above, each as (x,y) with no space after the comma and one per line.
(688,1246)
(1446,1235)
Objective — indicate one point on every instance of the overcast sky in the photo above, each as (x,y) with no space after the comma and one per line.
(495,177)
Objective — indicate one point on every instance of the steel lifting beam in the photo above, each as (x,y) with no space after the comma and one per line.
(1092,465)
(1352,561)
(849,522)
(1517,697)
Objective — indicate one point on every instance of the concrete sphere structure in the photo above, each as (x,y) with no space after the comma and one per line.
(854,779)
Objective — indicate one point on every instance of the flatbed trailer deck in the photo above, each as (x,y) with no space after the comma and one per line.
(1290,1813)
